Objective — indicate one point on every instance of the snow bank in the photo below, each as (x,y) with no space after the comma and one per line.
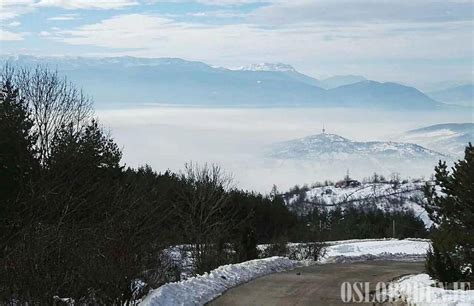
(417,290)
(204,288)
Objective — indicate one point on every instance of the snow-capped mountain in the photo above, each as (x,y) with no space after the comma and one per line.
(331,146)
(281,69)
(448,138)
(328,83)
(268,67)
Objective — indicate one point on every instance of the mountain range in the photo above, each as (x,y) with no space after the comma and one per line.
(141,81)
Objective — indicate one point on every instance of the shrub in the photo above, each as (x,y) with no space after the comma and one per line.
(308,251)
(277,248)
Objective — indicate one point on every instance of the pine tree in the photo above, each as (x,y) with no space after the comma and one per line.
(87,150)
(18,169)
(450,204)
(17,140)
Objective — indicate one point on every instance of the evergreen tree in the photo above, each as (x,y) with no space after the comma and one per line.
(16,142)
(17,159)
(88,149)
(18,169)
(450,204)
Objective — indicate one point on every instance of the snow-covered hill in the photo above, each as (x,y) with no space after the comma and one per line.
(386,196)
(331,146)
(449,138)
(333,155)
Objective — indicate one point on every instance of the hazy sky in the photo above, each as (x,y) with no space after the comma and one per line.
(412,41)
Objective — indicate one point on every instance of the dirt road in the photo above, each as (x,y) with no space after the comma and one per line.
(314,285)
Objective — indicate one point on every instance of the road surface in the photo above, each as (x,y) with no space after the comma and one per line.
(314,285)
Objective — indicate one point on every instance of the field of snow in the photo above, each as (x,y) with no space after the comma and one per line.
(204,288)
(351,250)
(418,290)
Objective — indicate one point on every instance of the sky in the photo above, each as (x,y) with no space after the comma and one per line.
(420,42)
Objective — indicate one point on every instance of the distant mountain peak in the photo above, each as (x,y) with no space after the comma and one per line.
(269,67)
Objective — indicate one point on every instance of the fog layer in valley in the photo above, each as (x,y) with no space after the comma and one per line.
(166,138)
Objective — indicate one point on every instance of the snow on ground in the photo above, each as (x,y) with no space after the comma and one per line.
(333,195)
(204,288)
(386,196)
(363,249)
(384,249)
(181,257)
(417,290)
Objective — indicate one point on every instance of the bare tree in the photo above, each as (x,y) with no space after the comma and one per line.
(205,216)
(53,100)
